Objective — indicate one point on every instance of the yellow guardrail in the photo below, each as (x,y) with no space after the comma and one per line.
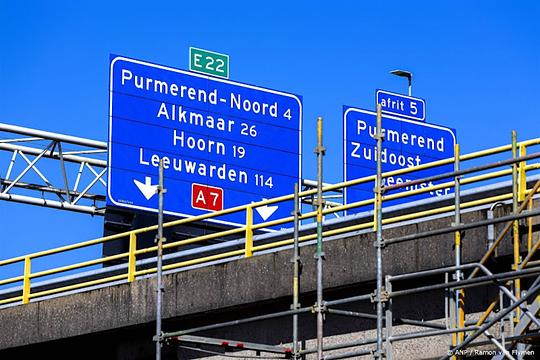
(248,229)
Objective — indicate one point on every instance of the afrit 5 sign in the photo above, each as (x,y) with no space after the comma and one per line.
(222,143)
(406,144)
(401,106)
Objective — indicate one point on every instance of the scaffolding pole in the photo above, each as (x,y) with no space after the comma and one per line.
(459,295)
(379,354)
(320,254)
(296,272)
(515,225)
(159,276)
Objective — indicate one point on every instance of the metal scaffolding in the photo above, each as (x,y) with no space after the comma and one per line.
(518,305)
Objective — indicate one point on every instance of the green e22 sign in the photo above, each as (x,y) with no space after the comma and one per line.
(209,62)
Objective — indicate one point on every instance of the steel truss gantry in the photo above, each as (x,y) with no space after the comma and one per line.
(68,159)
(63,172)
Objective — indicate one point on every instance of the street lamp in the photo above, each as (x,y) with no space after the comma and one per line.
(404,73)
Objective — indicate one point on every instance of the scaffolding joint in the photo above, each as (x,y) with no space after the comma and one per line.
(379,244)
(320,150)
(159,338)
(319,309)
(385,296)
(298,260)
(156,239)
(293,213)
(458,276)
(295,306)
(383,187)
(378,354)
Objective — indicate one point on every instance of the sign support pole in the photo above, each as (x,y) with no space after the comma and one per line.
(159,239)
(460,294)
(320,254)
(379,241)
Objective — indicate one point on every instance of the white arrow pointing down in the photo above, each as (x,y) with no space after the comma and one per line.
(266,211)
(147,189)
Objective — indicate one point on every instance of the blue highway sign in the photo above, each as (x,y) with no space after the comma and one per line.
(223,143)
(401,105)
(406,144)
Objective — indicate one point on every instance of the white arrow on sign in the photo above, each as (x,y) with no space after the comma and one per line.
(266,211)
(147,189)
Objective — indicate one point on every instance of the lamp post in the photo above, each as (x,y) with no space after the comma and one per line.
(406,74)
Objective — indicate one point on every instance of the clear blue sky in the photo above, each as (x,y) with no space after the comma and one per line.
(477,64)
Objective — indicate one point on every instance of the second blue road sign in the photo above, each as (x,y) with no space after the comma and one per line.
(406,144)
(223,143)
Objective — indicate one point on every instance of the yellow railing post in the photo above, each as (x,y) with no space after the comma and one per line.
(249,232)
(522,183)
(26,280)
(132,258)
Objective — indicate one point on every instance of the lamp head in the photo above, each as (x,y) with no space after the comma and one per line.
(402,73)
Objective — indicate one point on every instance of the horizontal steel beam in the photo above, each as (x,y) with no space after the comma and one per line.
(53,136)
(48,189)
(231,344)
(52,204)
(55,155)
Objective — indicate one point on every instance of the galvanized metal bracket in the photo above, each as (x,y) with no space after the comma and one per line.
(316,308)
(385,296)
(458,276)
(378,355)
(156,239)
(383,185)
(297,213)
(298,306)
(320,150)
(382,244)
(158,338)
(300,264)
